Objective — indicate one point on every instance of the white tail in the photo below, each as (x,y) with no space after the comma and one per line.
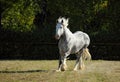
(86,54)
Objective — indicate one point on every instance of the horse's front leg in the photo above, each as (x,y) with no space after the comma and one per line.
(79,62)
(62,62)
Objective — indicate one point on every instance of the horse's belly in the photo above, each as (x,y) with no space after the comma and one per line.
(76,48)
(71,47)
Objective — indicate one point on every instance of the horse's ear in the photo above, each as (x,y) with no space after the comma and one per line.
(58,20)
(67,20)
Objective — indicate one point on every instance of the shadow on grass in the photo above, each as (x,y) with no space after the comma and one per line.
(28,71)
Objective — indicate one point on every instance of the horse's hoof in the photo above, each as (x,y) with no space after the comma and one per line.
(63,69)
(82,68)
(58,70)
(75,70)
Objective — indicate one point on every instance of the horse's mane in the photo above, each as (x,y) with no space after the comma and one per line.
(63,20)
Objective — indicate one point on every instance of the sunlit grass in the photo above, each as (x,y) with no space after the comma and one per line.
(44,71)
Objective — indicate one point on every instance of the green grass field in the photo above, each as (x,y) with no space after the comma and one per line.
(44,71)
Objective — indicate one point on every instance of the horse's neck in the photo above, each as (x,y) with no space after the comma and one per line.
(67,34)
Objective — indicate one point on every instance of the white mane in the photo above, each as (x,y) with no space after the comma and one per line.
(63,20)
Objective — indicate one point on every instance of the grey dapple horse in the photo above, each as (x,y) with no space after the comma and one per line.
(71,43)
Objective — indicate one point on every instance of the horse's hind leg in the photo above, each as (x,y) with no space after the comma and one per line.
(81,63)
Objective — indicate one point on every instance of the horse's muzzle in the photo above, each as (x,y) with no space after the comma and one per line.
(57,37)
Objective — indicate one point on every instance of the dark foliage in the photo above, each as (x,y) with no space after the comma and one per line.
(27,27)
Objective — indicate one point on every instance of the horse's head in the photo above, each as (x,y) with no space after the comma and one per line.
(61,24)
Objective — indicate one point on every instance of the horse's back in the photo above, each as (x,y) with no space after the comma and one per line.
(83,36)
(78,34)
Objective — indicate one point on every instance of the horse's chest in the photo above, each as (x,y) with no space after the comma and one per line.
(64,46)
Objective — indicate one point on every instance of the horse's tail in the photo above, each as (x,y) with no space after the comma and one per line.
(86,54)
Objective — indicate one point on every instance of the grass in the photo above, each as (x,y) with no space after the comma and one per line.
(43,71)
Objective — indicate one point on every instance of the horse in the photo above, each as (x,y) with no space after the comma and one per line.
(71,43)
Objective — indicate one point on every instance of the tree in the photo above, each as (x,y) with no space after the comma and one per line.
(20,16)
